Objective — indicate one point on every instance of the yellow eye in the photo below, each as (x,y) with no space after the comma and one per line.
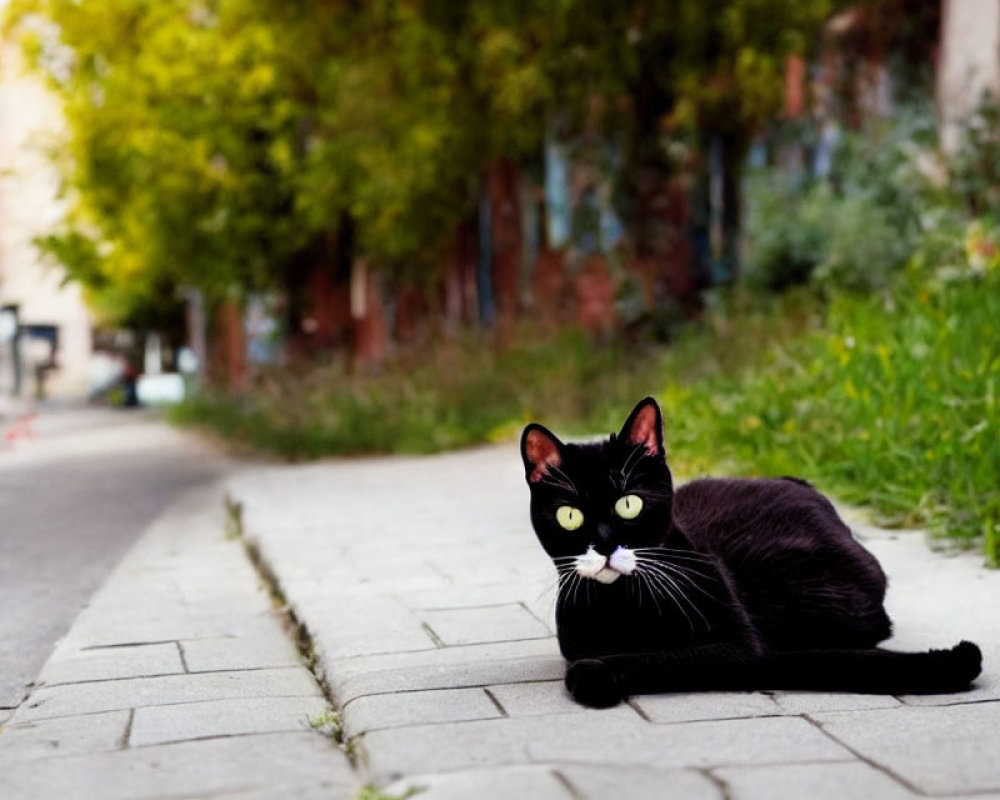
(569,518)
(629,506)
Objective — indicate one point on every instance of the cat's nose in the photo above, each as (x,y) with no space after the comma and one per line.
(604,546)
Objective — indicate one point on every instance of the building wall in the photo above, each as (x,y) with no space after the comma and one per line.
(970,61)
(29,118)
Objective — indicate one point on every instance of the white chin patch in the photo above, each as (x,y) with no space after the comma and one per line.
(606,570)
(607,575)
(622,560)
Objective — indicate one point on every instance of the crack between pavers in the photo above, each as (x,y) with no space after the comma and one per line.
(127,734)
(631,703)
(500,708)
(301,636)
(55,755)
(722,785)
(303,729)
(475,607)
(497,703)
(117,645)
(156,675)
(457,646)
(169,705)
(865,759)
(183,656)
(450,688)
(979,702)
(807,762)
(438,642)
(535,617)
(568,784)
(670,722)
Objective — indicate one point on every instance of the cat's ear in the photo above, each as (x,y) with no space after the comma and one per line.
(644,426)
(540,451)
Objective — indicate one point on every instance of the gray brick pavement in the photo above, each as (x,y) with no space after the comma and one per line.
(177,680)
(430,607)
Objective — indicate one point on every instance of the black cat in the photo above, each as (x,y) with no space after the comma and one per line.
(723,584)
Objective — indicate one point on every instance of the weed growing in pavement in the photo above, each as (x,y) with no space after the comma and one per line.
(234,517)
(371,793)
(328,723)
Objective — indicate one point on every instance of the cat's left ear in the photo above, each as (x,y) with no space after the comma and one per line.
(540,451)
(644,426)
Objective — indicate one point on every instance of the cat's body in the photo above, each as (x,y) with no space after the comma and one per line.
(723,584)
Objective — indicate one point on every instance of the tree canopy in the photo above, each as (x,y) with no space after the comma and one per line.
(211,142)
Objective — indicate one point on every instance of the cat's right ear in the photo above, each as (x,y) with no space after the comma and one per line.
(541,451)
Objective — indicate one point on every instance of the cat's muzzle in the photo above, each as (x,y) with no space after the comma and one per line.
(606,569)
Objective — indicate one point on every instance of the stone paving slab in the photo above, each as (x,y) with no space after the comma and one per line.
(473,625)
(480,673)
(281,763)
(529,783)
(229,717)
(705,705)
(640,783)
(812,702)
(272,648)
(399,709)
(397,606)
(914,743)
(798,781)
(46,738)
(440,657)
(394,753)
(76,699)
(110,663)
(694,744)
(614,738)
(535,697)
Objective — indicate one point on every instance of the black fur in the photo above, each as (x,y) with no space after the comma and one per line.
(749,584)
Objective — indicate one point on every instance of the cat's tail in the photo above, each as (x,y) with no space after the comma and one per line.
(605,681)
(869,671)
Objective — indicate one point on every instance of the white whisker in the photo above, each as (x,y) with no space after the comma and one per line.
(672,591)
(626,475)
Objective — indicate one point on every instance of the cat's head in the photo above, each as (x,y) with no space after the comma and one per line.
(596,506)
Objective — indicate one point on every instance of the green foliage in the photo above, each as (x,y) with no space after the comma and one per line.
(864,250)
(891,402)
(463,393)
(857,229)
(837,241)
(787,234)
(974,179)
(175,119)
(214,144)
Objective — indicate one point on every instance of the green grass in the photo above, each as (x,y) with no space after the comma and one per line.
(887,400)
(890,403)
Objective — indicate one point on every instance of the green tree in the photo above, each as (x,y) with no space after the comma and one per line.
(222,144)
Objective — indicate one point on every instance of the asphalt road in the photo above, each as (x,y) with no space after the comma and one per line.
(73,498)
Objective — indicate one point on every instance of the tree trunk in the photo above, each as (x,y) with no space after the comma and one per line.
(502,186)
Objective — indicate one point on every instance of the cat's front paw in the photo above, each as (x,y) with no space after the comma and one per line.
(592,683)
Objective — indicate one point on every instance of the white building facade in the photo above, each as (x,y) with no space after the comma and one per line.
(51,312)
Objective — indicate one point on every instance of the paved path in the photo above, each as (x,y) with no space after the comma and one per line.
(429,605)
(177,681)
(73,499)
